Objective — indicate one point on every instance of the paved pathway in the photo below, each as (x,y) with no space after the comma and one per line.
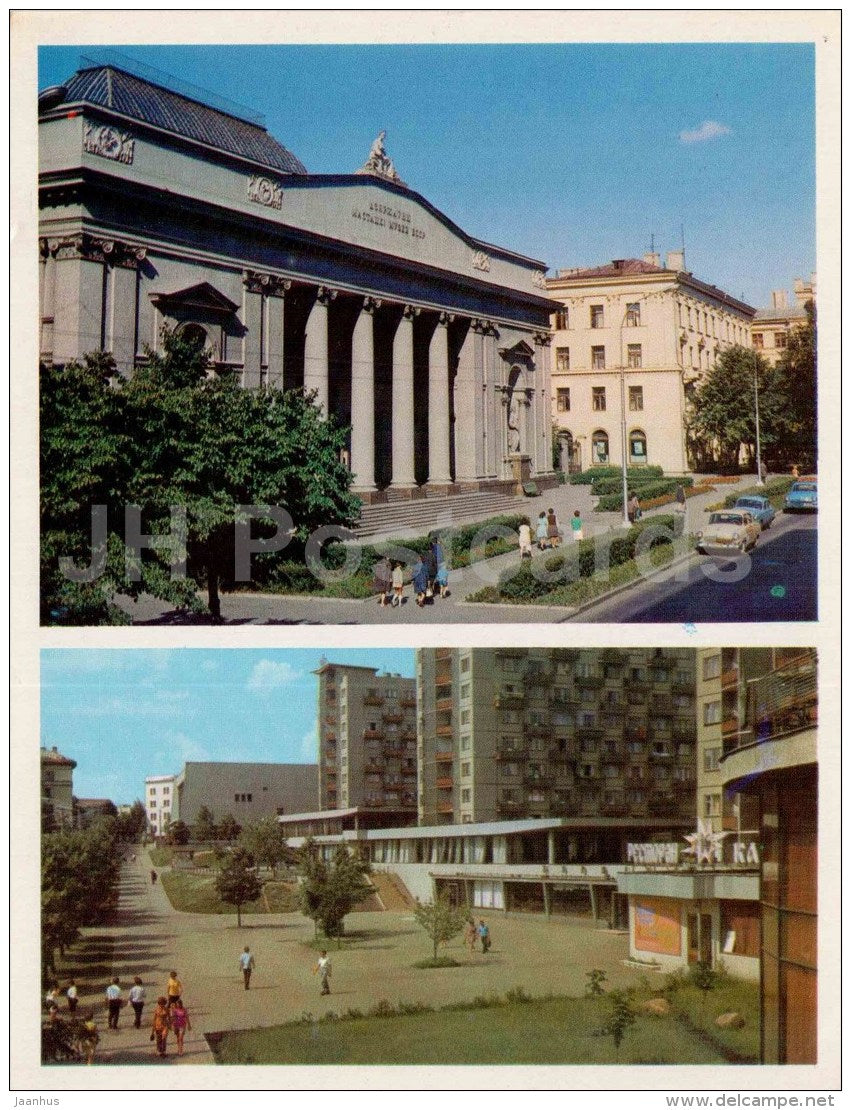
(247,608)
(149,938)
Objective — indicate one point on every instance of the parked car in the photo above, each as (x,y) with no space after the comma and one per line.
(803,495)
(728,530)
(760,509)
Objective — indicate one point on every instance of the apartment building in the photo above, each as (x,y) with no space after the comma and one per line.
(605,735)
(367,737)
(771,759)
(57,790)
(160,796)
(772,326)
(633,338)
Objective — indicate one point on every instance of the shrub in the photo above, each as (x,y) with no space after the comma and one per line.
(639,484)
(776,488)
(635,473)
(594,987)
(517,995)
(611,502)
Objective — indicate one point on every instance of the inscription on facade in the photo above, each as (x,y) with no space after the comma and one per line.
(389,216)
(481,261)
(263,191)
(106,142)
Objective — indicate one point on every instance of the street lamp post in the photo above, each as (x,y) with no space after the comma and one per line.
(626,521)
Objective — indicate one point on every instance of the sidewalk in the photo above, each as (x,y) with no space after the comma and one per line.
(260,608)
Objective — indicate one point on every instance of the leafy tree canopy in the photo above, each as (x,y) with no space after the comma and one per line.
(440,919)
(329,891)
(237,882)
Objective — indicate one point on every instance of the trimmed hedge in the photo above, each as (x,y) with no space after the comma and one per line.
(615,485)
(611,502)
(580,559)
(777,488)
(588,477)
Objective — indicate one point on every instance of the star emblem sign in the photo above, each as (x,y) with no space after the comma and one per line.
(705,845)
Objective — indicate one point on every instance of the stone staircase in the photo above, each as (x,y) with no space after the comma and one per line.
(394,895)
(418,517)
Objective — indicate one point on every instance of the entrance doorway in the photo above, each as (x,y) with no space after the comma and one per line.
(699,930)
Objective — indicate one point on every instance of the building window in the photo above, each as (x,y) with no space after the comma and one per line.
(636,398)
(465,690)
(633,356)
(465,794)
(712,713)
(465,716)
(465,664)
(711,805)
(711,759)
(598,398)
(598,358)
(780,339)
(633,314)
(562,400)
(562,359)
(600,448)
(562,321)
(711,667)
(465,769)
(597,316)
(637,446)
(758,340)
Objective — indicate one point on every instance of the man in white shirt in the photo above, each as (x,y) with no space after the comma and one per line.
(323,967)
(137,1001)
(113,1003)
(246,962)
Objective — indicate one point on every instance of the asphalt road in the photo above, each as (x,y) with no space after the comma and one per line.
(776,581)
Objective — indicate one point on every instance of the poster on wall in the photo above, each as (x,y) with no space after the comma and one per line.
(657,926)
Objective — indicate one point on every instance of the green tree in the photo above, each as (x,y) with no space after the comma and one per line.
(237,883)
(329,891)
(440,920)
(178,833)
(722,417)
(204,827)
(229,828)
(594,987)
(621,1017)
(267,843)
(797,383)
(704,976)
(175,435)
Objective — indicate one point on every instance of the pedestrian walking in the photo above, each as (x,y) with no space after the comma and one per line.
(471,934)
(541,531)
(160,1025)
(443,579)
(436,557)
(382,581)
(398,580)
(431,570)
(180,1023)
(174,988)
(51,999)
(484,936)
(420,582)
(153,876)
(633,509)
(113,1003)
(137,1001)
(323,969)
(525,540)
(72,996)
(681,497)
(553,534)
(246,963)
(576,525)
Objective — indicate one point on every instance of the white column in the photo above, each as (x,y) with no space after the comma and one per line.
(493,404)
(316,349)
(468,408)
(544,463)
(363,399)
(438,403)
(252,309)
(275,340)
(403,400)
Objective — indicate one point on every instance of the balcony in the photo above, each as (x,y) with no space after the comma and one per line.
(392,751)
(511,653)
(617,753)
(408,701)
(445,807)
(588,732)
(682,688)
(537,780)
(658,755)
(373,699)
(537,728)
(663,805)
(408,735)
(729,678)
(330,718)
(393,716)
(729,726)
(509,701)
(444,782)
(444,756)
(444,704)
(588,681)
(511,808)
(511,754)
(537,674)
(559,755)
(632,682)
(685,731)
(443,653)
(372,734)
(779,704)
(565,655)
(444,730)
(614,809)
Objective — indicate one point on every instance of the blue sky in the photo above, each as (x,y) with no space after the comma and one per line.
(123,714)
(571,153)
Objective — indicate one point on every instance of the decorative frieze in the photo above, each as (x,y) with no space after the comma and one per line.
(108,142)
(481,261)
(539,279)
(262,190)
(93,248)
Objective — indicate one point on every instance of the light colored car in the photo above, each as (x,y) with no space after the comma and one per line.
(728,531)
(760,509)
(803,495)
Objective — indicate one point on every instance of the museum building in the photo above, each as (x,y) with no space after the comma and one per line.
(159,210)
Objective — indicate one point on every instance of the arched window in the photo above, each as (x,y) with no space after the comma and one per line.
(195,334)
(637,447)
(599,448)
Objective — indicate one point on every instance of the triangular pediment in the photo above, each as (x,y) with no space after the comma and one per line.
(519,350)
(202,295)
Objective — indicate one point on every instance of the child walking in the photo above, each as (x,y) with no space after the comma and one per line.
(180,1023)
(576,525)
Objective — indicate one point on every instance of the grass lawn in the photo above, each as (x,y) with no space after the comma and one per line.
(160,856)
(554,1031)
(191,893)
